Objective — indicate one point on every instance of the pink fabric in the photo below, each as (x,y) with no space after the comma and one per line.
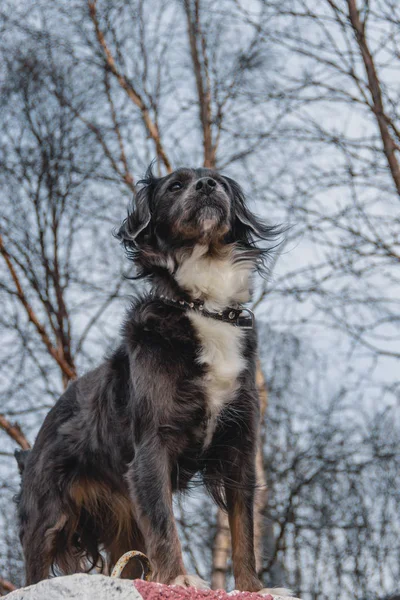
(158,591)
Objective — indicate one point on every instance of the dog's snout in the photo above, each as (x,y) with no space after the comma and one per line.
(206,184)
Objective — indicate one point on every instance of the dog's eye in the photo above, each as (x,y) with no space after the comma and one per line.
(175,186)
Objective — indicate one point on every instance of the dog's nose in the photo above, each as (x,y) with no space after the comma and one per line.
(206,184)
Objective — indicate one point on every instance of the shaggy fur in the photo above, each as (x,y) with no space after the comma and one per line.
(176,401)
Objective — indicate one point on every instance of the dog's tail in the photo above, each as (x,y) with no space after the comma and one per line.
(21,457)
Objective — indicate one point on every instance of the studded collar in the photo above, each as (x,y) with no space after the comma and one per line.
(237,316)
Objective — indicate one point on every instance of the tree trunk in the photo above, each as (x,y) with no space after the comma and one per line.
(221,551)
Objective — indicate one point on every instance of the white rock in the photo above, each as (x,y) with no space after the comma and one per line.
(81,586)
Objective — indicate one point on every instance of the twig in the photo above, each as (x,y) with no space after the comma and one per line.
(67,369)
(15,432)
(7,585)
(133,94)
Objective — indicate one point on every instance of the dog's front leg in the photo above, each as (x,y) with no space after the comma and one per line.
(240,502)
(239,488)
(150,486)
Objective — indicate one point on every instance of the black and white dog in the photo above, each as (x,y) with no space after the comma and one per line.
(176,399)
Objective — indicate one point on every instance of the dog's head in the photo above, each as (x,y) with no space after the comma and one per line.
(188,208)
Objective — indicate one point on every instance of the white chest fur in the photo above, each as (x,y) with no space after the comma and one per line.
(221,353)
(217,281)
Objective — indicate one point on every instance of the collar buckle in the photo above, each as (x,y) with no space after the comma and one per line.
(245,321)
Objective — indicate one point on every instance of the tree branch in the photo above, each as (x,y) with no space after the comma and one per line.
(127,174)
(67,369)
(133,95)
(15,433)
(202,81)
(7,585)
(389,146)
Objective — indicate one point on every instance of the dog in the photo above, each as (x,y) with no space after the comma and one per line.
(177,400)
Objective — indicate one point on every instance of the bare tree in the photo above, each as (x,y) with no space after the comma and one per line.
(346,124)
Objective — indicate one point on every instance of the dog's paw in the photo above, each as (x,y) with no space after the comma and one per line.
(190,581)
(277,593)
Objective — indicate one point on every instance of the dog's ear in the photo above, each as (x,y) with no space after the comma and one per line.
(138,219)
(21,457)
(245,221)
(250,221)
